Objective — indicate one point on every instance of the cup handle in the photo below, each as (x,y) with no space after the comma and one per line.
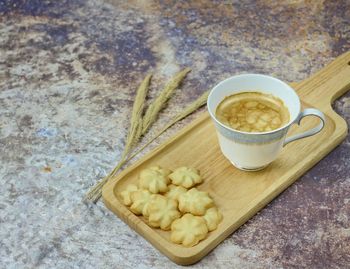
(315,130)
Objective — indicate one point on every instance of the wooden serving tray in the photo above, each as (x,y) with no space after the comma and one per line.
(239,195)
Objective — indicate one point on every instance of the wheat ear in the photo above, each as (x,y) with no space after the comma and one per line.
(199,102)
(154,108)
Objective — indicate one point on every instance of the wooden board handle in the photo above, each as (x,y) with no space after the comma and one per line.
(326,85)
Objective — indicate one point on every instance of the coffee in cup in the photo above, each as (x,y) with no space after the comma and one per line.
(252,112)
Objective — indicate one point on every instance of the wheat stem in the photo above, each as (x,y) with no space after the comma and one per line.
(132,137)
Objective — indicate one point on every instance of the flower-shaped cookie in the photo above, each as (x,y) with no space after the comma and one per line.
(188,230)
(140,200)
(186,177)
(162,212)
(154,197)
(174,192)
(155,179)
(212,217)
(126,194)
(195,202)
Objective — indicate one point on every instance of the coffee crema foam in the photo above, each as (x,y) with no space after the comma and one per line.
(252,112)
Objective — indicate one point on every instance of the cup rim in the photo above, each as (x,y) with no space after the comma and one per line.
(291,121)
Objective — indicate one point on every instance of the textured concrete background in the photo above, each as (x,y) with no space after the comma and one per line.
(68,74)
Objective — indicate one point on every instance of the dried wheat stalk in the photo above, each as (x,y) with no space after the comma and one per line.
(132,137)
(186,112)
(142,127)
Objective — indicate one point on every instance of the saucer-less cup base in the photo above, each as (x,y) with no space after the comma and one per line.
(259,155)
(249,169)
(254,151)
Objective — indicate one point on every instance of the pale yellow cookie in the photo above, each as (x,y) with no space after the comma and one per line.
(188,230)
(155,179)
(145,210)
(140,200)
(126,194)
(162,212)
(174,192)
(195,202)
(186,177)
(212,217)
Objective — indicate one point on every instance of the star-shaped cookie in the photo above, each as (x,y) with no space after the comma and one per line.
(195,202)
(155,179)
(186,177)
(140,200)
(126,194)
(174,192)
(212,217)
(162,212)
(188,230)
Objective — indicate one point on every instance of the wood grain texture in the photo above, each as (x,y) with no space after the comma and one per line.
(239,195)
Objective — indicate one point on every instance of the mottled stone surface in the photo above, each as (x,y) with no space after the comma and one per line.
(68,74)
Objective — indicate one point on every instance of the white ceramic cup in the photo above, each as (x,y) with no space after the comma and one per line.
(254,151)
